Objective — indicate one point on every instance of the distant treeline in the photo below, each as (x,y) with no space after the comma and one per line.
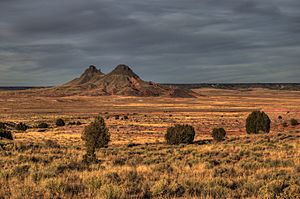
(17,88)
(237,86)
(233,86)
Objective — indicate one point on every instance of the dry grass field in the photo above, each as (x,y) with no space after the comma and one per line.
(137,162)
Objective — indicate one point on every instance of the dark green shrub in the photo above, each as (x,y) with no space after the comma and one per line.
(180,134)
(95,135)
(21,127)
(258,122)
(126,117)
(218,134)
(280,117)
(294,122)
(2,125)
(60,122)
(72,123)
(117,117)
(132,144)
(6,134)
(43,125)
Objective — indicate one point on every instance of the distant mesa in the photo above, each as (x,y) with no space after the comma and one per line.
(120,81)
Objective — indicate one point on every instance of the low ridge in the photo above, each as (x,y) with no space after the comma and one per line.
(120,81)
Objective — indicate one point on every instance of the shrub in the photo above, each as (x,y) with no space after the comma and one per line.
(126,117)
(43,125)
(71,123)
(117,117)
(280,117)
(6,134)
(218,134)
(60,122)
(180,134)
(21,127)
(132,144)
(294,122)
(258,122)
(78,123)
(95,135)
(2,125)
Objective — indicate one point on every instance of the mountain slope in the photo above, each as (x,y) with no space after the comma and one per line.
(121,81)
(90,75)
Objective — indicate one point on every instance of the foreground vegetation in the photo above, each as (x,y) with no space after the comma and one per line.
(45,160)
(257,166)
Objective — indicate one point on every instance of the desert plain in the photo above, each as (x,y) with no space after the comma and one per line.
(138,163)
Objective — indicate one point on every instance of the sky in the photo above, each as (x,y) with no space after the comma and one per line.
(46,42)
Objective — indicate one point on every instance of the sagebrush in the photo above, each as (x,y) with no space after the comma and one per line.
(95,135)
(180,134)
(258,122)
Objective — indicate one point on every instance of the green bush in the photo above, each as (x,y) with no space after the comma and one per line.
(258,122)
(180,134)
(294,122)
(43,125)
(117,117)
(72,123)
(2,125)
(6,134)
(21,127)
(95,135)
(60,122)
(218,134)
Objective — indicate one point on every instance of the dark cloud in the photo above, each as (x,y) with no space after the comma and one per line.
(50,42)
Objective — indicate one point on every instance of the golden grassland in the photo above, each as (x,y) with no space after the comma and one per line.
(137,162)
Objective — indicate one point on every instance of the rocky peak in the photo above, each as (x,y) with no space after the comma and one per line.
(92,70)
(91,73)
(123,69)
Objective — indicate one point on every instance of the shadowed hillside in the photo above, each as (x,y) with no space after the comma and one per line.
(121,81)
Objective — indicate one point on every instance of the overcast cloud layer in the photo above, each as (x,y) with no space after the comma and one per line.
(47,42)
